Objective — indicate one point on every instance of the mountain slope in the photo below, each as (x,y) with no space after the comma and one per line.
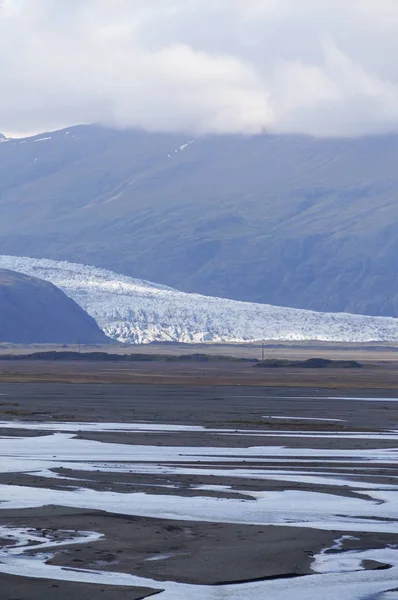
(287,220)
(35,311)
(132,310)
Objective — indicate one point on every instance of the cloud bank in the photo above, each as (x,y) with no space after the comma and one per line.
(201,66)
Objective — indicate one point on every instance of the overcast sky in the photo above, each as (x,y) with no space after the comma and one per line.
(322,67)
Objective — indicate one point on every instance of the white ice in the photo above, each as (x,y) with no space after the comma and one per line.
(137,311)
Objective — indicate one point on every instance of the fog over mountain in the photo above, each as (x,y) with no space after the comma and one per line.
(208,66)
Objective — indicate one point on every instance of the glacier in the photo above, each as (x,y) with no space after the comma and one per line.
(139,312)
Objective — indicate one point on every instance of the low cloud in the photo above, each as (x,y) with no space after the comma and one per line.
(200,66)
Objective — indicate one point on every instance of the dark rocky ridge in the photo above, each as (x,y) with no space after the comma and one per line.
(35,311)
(286,220)
(310,363)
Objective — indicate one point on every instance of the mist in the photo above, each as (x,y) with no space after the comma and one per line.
(200,66)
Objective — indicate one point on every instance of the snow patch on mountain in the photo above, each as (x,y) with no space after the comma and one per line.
(135,311)
(182,148)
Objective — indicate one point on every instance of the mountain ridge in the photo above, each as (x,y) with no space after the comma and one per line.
(35,311)
(284,220)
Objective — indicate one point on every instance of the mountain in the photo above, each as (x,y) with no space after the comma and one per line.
(35,311)
(286,220)
(131,310)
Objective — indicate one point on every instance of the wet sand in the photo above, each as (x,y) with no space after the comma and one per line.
(197,553)
(26,588)
(188,551)
(212,406)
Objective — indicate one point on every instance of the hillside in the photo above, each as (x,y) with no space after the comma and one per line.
(35,311)
(283,220)
(136,311)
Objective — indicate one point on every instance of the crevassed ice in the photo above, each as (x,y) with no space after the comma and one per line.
(135,311)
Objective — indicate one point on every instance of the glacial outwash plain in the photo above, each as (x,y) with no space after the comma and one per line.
(198,299)
(196,475)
